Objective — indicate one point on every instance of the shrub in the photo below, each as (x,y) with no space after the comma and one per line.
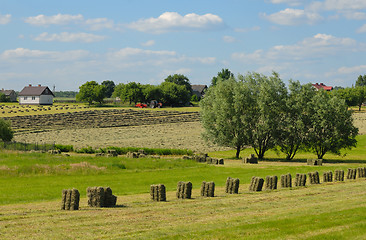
(64,148)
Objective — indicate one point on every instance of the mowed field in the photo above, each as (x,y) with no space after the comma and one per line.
(31,185)
(124,128)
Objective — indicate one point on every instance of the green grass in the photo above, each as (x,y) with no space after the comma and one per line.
(36,177)
(357,154)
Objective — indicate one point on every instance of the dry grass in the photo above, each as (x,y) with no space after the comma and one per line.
(360,121)
(185,135)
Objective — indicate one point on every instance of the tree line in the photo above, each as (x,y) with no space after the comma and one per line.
(176,90)
(261,112)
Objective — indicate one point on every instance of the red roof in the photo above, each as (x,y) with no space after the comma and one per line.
(322,86)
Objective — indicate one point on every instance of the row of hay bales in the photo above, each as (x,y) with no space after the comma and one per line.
(103,197)
(97,197)
(204,158)
(99,118)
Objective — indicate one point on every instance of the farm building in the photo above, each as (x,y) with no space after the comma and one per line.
(199,90)
(36,95)
(322,86)
(10,94)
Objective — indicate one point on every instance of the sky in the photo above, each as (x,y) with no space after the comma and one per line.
(67,43)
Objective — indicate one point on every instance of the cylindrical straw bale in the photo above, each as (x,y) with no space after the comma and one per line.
(179,190)
(236,183)
(188,190)
(64,193)
(203,188)
(75,198)
(68,200)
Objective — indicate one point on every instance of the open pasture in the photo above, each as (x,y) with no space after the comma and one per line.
(32,197)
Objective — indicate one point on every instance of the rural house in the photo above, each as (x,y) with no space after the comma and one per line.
(10,94)
(322,86)
(199,90)
(36,95)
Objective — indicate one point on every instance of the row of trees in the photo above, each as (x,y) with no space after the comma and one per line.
(259,111)
(354,96)
(176,90)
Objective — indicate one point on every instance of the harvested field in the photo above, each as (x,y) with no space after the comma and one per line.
(360,121)
(185,135)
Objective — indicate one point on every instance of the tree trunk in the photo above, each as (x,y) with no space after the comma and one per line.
(237,151)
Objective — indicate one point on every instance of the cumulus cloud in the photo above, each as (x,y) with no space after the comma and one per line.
(316,47)
(69,37)
(352,70)
(172,21)
(59,19)
(329,5)
(291,16)
(5,19)
(148,43)
(66,19)
(24,54)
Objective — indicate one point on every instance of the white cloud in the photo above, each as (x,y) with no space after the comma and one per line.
(172,21)
(228,39)
(291,16)
(317,47)
(289,2)
(23,54)
(354,15)
(128,52)
(148,43)
(5,19)
(99,23)
(69,37)
(361,69)
(59,19)
(362,29)
(341,5)
(94,24)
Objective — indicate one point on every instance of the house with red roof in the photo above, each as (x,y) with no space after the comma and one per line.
(322,86)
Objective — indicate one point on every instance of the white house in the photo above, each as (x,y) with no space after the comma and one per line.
(36,95)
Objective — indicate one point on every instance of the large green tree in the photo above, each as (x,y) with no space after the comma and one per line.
(361,81)
(226,114)
(296,120)
(225,74)
(6,133)
(110,85)
(180,79)
(174,94)
(131,92)
(269,97)
(331,126)
(354,96)
(91,91)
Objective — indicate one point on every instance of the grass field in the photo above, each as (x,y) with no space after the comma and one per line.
(32,183)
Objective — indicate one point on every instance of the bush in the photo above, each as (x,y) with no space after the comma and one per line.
(89,150)
(64,148)
(6,133)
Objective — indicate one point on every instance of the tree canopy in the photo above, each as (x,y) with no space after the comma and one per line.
(361,81)
(91,92)
(180,79)
(225,74)
(6,133)
(258,111)
(109,84)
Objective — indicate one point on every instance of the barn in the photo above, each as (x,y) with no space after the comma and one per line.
(36,95)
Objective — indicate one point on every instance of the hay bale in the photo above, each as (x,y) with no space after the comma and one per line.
(339,175)
(328,176)
(202,157)
(232,185)
(314,177)
(184,190)
(208,189)
(300,180)
(271,182)
(286,181)
(256,184)
(351,173)
(110,200)
(96,196)
(132,155)
(112,153)
(70,199)
(158,192)
(250,159)
(315,162)
(361,172)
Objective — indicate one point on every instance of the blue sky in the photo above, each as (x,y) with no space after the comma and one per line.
(66,43)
